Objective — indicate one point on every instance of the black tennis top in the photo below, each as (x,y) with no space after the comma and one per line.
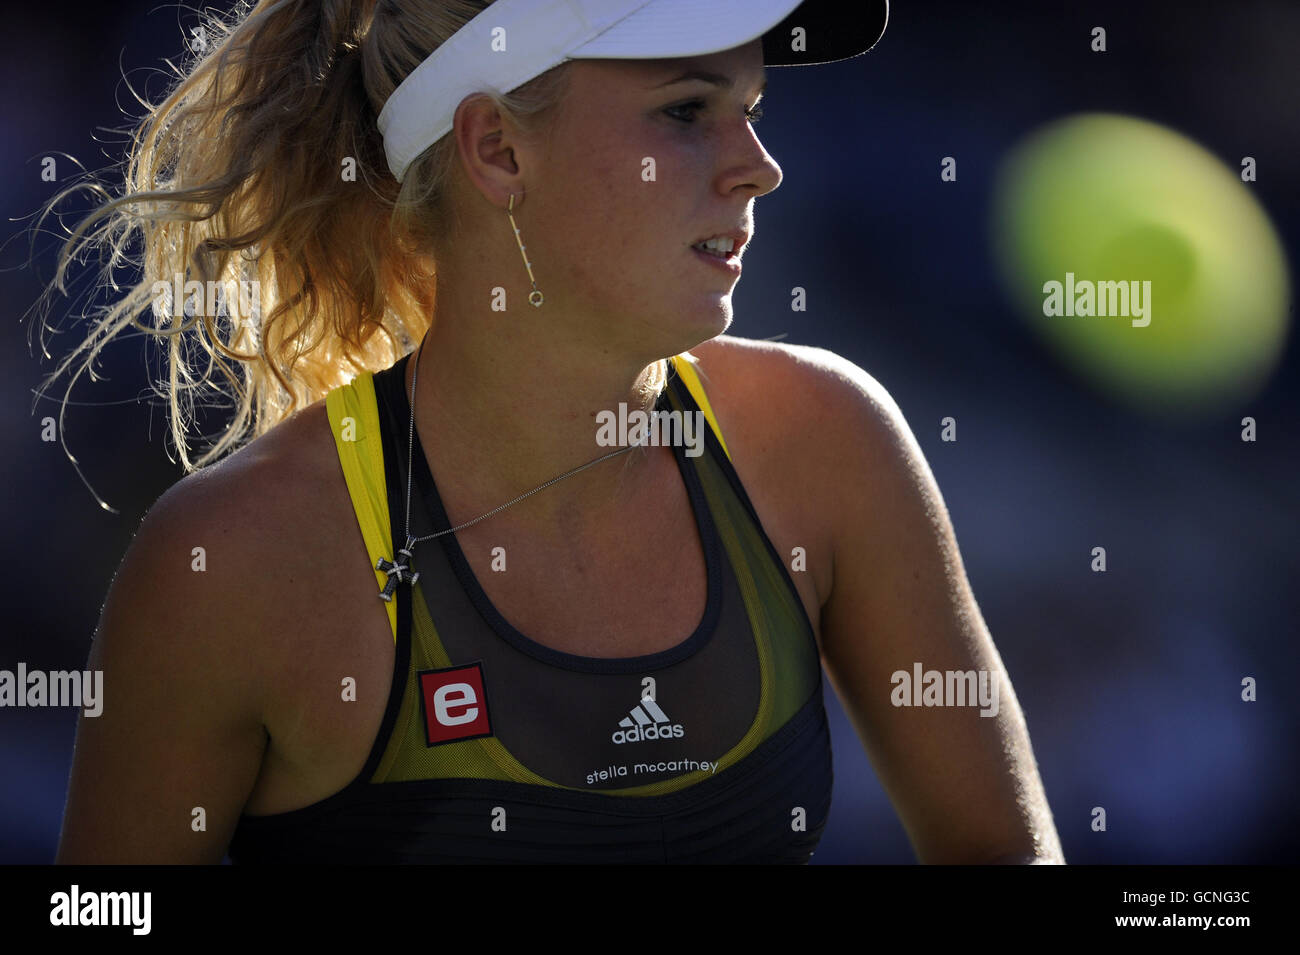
(495,748)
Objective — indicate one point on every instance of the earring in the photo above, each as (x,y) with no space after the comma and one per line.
(535,296)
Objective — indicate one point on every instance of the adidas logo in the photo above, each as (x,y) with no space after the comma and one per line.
(646,721)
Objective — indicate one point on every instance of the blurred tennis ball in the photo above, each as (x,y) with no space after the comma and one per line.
(1113,199)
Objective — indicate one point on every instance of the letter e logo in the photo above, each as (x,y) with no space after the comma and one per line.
(454,701)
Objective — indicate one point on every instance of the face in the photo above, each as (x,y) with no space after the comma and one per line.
(639,167)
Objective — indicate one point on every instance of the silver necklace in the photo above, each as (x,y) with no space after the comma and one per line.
(400,571)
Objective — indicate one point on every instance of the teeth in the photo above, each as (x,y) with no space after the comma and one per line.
(720,244)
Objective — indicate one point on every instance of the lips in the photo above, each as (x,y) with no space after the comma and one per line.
(738,236)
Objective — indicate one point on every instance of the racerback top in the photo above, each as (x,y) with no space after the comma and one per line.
(495,748)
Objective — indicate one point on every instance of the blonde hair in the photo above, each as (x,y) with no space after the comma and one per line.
(240,176)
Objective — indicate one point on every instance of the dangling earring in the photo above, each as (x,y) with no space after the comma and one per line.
(535,296)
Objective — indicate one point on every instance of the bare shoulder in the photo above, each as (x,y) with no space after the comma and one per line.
(762,364)
(268,487)
(231,563)
(805,429)
(226,536)
(797,393)
(822,430)
(190,646)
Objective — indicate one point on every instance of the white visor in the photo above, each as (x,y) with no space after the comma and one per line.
(514,41)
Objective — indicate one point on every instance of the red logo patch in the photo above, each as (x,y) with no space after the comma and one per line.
(455,704)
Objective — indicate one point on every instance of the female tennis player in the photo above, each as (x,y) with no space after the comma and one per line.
(526,561)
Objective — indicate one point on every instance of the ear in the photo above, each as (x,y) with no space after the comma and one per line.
(488,146)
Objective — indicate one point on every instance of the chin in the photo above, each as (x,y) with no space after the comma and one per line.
(707,329)
(681,327)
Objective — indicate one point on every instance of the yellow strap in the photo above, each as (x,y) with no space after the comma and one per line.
(354,419)
(691,377)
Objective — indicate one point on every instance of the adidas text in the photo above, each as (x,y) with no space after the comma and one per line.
(653,731)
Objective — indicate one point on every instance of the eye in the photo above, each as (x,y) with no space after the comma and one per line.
(753,114)
(692,106)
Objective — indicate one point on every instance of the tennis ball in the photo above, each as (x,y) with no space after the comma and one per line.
(1096,209)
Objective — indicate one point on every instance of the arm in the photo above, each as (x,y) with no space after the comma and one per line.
(966,787)
(180,726)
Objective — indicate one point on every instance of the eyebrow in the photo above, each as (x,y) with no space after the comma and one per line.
(717,79)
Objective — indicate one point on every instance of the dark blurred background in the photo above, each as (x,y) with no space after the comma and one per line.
(1130,680)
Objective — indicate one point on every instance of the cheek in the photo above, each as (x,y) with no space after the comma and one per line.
(651,169)
(632,200)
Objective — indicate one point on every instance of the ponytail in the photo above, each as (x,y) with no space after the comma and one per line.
(261,175)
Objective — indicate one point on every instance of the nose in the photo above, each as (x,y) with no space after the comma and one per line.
(755,169)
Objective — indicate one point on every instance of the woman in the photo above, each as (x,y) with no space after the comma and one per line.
(575,658)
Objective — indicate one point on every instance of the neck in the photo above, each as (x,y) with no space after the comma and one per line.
(503,405)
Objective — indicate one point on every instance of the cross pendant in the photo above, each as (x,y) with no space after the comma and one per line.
(399,572)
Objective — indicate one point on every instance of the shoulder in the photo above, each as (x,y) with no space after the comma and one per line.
(825,428)
(817,401)
(229,539)
(268,487)
(194,647)
(806,371)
